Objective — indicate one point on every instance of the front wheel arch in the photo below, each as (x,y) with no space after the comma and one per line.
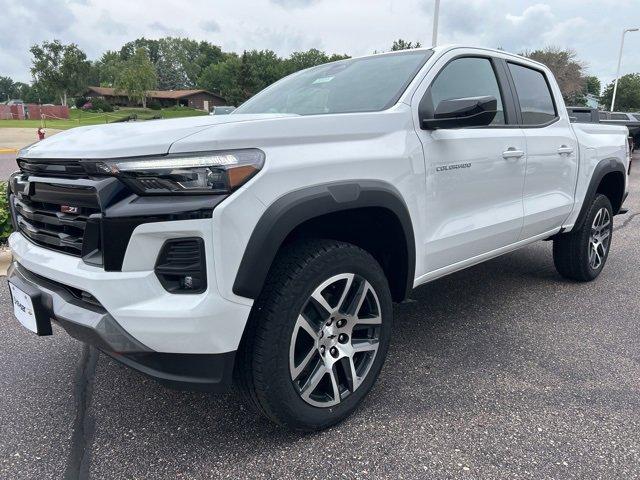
(302,213)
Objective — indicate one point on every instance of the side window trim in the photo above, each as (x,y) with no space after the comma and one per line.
(508,103)
(517,100)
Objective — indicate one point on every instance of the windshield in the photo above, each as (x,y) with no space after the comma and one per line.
(355,85)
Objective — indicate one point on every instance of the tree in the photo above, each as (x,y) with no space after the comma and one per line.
(8,89)
(137,77)
(152,47)
(627,96)
(401,44)
(258,70)
(311,58)
(178,62)
(568,70)
(224,78)
(593,85)
(109,67)
(63,69)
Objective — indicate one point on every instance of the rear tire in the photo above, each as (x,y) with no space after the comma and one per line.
(324,319)
(581,254)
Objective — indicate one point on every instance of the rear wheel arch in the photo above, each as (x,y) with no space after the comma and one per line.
(370,214)
(607,179)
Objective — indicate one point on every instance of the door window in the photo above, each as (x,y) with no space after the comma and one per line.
(463,78)
(536,100)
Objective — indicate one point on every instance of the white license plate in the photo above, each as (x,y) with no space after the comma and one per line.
(23,308)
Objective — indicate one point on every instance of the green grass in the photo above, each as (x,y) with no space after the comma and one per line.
(78,118)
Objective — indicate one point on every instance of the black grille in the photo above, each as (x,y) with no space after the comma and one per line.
(52,215)
(52,167)
(45,224)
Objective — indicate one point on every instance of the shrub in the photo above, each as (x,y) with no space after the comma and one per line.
(80,101)
(154,104)
(100,104)
(5,216)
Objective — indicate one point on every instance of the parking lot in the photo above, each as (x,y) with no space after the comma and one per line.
(503,370)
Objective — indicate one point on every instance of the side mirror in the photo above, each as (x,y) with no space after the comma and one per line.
(462,112)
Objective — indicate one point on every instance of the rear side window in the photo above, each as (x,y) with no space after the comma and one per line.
(602,115)
(463,78)
(536,100)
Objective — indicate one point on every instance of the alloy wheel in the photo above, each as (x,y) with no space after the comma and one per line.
(600,238)
(335,340)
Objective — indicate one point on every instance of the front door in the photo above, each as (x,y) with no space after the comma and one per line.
(474,176)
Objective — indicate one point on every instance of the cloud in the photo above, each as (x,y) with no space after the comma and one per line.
(354,27)
(22,29)
(295,3)
(107,24)
(210,26)
(159,27)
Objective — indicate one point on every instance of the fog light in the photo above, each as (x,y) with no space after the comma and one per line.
(181,266)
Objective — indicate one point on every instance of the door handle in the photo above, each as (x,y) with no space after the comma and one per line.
(565,150)
(511,152)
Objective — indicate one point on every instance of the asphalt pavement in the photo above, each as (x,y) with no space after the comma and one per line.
(504,370)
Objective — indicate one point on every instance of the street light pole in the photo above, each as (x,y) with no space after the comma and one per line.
(615,85)
(436,15)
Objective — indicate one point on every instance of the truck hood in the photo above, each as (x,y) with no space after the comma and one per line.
(153,137)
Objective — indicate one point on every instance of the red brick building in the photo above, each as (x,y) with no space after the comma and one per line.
(200,99)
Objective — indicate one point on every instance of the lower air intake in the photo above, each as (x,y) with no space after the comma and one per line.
(181,266)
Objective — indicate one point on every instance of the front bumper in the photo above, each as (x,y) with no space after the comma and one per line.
(89,322)
(202,323)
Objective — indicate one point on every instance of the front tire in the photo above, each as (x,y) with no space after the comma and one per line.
(318,335)
(581,254)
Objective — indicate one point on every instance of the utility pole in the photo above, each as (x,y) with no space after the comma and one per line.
(436,15)
(615,85)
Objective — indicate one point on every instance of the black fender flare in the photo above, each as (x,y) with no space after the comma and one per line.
(299,206)
(603,168)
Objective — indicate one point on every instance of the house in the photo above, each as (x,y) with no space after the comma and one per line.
(200,99)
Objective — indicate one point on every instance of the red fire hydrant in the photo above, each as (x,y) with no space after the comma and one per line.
(40,133)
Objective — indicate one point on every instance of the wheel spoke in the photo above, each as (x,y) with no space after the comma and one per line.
(377,320)
(349,369)
(321,304)
(312,383)
(365,346)
(334,386)
(296,370)
(345,292)
(307,326)
(596,220)
(366,288)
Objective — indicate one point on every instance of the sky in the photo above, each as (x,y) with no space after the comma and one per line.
(355,27)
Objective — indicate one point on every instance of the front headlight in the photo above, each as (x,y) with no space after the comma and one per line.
(207,172)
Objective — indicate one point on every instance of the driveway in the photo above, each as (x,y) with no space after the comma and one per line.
(503,370)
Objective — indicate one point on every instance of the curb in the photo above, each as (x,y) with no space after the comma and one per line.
(8,150)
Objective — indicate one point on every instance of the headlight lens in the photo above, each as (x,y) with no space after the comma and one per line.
(208,172)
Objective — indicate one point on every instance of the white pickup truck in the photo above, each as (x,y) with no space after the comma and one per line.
(265,248)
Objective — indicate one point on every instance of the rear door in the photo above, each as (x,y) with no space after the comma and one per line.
(474,175)
(552,151)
